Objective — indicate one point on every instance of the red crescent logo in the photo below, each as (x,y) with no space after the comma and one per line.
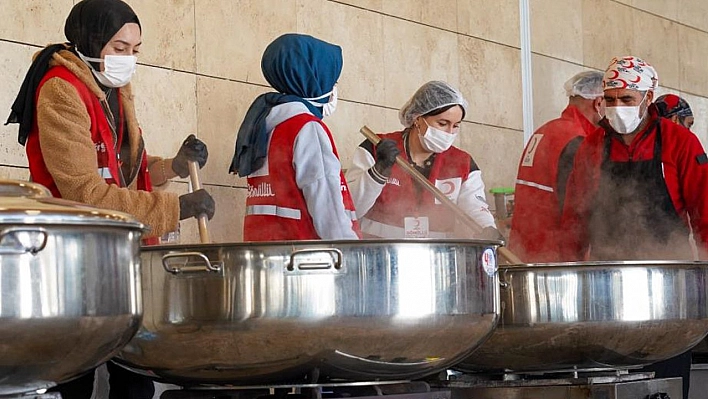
(639,78)
(624,83)
(616,75)
(447,187)
(631,65)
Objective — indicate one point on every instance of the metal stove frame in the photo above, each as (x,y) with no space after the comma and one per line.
(359,390)
(569,384)
(47,395)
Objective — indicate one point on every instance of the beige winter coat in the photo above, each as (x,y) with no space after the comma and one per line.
(70,155)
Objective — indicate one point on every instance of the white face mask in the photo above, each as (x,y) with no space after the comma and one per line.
(118,70)
(331,105)
(436,140)
(625,119)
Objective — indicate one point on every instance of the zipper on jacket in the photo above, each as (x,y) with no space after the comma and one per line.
(112,125)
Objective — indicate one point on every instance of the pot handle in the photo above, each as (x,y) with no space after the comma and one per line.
(503,281)
(209,265)
(27,240)
(312,263)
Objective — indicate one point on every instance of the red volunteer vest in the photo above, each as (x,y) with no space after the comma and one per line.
(275,208)
(101,135)
(536,222)
(402,197)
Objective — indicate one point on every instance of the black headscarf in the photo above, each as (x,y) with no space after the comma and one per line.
(90,26)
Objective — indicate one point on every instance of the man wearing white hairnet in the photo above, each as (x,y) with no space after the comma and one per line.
(636,183)
(544,169)
(389,203)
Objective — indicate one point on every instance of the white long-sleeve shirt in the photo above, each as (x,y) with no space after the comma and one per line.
(365,190)
(317,173)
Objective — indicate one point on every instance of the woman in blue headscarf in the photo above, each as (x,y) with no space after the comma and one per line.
(296,189)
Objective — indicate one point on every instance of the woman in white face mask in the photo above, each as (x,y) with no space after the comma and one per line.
(84,143)
(389,203)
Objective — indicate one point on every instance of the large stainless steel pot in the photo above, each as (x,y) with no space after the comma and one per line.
(595,315)
(70,293)
(285,312)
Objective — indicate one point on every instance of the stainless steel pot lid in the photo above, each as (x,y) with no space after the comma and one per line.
(23,202)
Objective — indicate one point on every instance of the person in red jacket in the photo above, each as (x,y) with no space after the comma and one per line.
(296,188)
(390,203)
(635,185)
(77,121)
(544,169)
(675,109)
(637,180)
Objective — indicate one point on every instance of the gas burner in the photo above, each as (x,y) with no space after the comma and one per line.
(542,379)
(360,390)
(598,375)
(48,395)
(570,384)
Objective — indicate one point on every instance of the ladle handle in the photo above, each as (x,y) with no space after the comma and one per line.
(464,217)
(196,185)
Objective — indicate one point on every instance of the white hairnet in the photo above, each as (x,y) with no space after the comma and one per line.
(586,84)
(429,97)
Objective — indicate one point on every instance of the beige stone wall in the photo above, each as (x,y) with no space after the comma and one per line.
(200,68)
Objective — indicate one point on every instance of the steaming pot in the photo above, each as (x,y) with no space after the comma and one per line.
(595,315)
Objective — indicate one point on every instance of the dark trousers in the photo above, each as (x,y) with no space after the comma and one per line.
(124,385)
(679,366)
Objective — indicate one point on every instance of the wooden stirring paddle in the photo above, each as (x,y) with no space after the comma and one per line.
(418,177)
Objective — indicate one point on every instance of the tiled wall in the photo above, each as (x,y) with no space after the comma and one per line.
(200,68)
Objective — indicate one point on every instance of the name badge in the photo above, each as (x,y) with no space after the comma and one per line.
(416,227)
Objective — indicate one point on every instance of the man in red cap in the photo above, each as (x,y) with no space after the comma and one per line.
(675,109)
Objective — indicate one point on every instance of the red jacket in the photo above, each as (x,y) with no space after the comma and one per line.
(685,167)
(402,196)
(535,227)
(275,208)
(101,134)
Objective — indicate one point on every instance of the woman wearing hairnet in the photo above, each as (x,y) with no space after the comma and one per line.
(296,189)
(389,203)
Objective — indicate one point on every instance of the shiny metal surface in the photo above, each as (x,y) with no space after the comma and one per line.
(595,315)
(310,312)
(70,295)
(25,203)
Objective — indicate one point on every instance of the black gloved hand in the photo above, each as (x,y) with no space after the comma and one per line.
(386,152)
(491,233)
(192,149)
(195,204)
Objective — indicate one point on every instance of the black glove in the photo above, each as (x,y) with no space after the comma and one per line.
(192,149)
(386,152)
(195,204)
(491,233)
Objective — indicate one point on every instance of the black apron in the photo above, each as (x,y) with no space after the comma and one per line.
(633,216)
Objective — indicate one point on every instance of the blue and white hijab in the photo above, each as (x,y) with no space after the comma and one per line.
(301,68)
